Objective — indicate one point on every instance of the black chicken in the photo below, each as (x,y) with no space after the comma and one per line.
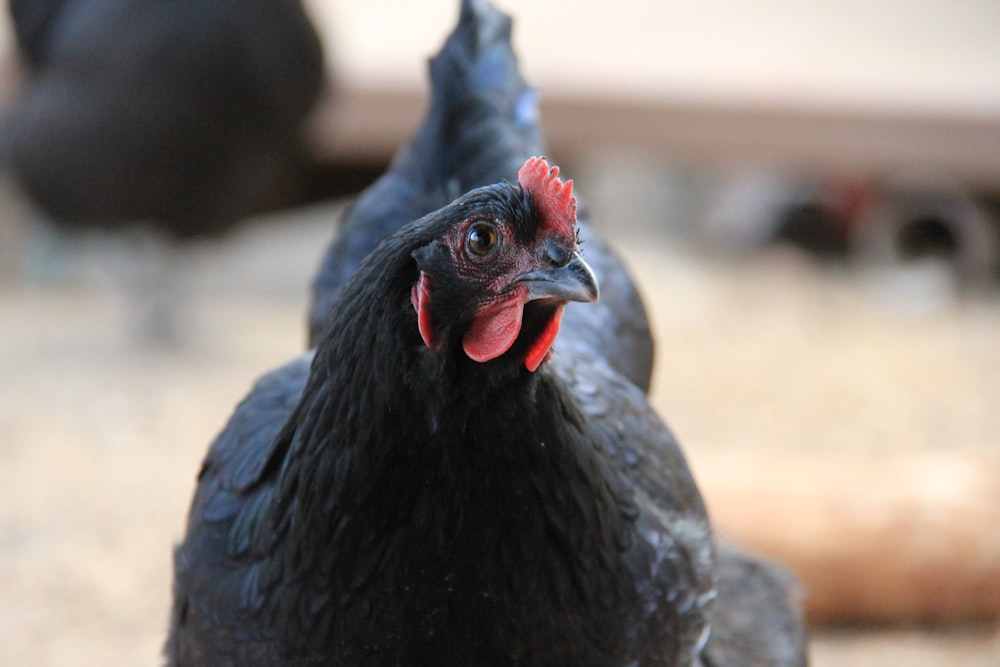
(427,490)
(482,124)
(182,113)
(168,119)
(389,499)
(33,22)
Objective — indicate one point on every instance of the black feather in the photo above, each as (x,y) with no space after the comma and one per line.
(380,503)
(180,112)
(482,124)
(418,507)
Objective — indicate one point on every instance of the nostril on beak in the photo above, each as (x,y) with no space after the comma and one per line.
(558,256)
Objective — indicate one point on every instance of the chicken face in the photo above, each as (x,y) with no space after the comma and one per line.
(501,276)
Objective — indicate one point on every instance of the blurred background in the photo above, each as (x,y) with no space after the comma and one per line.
(809,194)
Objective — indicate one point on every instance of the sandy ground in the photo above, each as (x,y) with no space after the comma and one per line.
(100,436)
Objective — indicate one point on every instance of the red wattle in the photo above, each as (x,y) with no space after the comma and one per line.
(539,350)
(494,330)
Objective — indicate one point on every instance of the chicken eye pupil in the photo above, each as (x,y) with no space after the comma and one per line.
(482,239)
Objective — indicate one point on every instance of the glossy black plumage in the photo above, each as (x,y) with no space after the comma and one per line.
(757,618)
(393,504)
(372,503)
(180,113)
(482,124)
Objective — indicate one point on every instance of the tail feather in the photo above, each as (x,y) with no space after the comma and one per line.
(482,123)
(484,117)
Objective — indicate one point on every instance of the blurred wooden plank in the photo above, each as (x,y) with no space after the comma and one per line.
(891,538)
(846,87)
(369,124)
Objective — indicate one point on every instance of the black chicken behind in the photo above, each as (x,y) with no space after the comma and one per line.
(757,618)
(482,124)
(179,113)
(442,481)
(439,485)
(163,122)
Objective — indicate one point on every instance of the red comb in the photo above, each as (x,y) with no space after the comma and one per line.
(552,196)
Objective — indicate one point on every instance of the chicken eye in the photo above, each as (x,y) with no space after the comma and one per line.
(481,239)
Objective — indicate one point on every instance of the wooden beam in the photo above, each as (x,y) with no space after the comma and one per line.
(370,123)
(891,538)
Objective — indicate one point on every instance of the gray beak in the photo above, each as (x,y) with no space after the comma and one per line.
(573,281)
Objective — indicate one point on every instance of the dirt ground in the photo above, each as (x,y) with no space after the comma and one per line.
(101,436)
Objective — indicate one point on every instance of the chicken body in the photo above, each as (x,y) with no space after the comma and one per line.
(164,122)
(389,499)
(398,498)
(177,113)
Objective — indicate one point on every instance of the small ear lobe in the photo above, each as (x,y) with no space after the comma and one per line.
(420,298)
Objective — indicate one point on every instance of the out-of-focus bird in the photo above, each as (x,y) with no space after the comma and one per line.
(441,485)
(482,124)
(33,27)
(170,120)
(174,112)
